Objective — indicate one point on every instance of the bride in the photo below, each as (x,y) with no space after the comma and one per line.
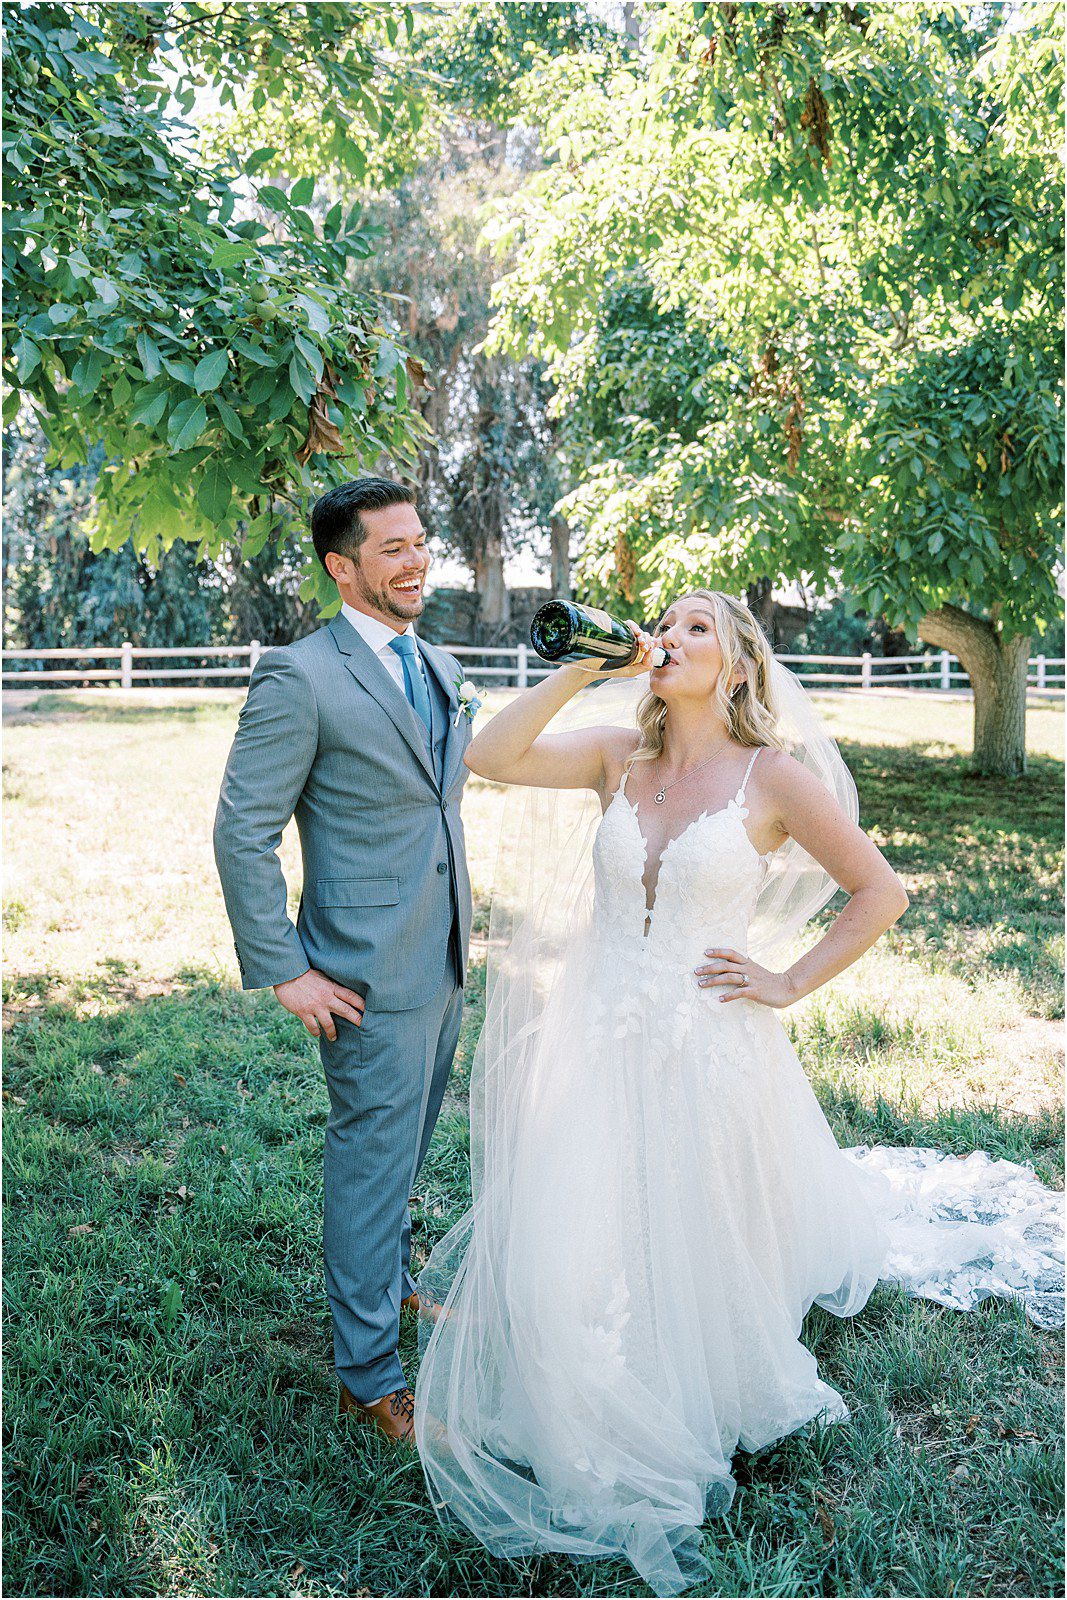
(658,1197)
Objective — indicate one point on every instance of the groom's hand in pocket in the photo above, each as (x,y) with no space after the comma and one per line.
(317,999)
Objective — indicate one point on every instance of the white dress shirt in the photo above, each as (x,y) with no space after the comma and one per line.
(378,635)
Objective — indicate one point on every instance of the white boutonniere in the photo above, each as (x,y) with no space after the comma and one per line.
(470,700)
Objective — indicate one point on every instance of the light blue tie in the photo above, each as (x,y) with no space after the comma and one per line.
(418,699)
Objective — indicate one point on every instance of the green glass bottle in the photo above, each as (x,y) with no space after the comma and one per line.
(562,631)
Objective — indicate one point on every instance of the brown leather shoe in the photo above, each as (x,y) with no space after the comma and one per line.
(393,1416)
(413,1306)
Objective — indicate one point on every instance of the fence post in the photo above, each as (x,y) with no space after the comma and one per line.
(946,680)
(255,650)
(522,674)
(126,665)
(1040,672)
(865,677)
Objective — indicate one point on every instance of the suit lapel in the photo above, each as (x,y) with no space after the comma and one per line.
(438,665)
(376,679)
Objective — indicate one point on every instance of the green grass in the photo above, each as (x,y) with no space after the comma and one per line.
(169,1399)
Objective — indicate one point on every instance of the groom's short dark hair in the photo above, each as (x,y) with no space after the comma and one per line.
(337,521)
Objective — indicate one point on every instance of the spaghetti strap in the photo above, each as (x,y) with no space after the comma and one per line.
(627,768)
(748,769)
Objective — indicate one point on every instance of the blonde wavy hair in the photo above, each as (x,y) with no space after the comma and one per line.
(748,711)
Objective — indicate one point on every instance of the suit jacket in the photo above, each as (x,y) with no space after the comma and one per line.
(327,735)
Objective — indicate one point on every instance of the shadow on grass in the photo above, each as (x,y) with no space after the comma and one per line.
(982,860)
(169,1412)
(60,706)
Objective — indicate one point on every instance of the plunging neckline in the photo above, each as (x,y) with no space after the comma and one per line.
(705,816)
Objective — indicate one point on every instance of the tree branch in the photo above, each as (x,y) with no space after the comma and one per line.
(198,23)
(818,256)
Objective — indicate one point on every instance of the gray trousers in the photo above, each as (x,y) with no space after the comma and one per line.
(386,1080)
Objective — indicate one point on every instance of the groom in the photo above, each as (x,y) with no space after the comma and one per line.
(357,731)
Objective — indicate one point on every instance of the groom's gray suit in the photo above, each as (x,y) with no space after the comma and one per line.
(327,735)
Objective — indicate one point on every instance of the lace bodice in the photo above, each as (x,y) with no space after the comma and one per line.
(709,876)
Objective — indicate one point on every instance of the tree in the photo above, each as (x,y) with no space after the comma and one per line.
(850,222)
(486,473)
(59,594)
(225,365)
(487,468)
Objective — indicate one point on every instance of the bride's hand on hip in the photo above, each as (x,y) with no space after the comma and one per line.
(737,977)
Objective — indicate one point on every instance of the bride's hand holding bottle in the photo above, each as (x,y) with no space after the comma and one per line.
(514,748)
(642,662)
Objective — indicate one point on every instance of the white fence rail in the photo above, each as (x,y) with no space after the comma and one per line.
(514,664)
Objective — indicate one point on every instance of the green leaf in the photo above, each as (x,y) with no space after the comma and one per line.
(148,351)
(28,357)
(231,421)
(61,314)
(259,158)
(106,290)
(300,379)
(187,422)
(88,371)
(148,410)
(215,491)
(280,400)
(180,369)
(263,385)
(254,352)
(258,535)
(230,253)
(210,371)
(354,159)
(302,191)
(318,321)
(310,352)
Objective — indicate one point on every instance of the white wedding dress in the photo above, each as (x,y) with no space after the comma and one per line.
(628,1313)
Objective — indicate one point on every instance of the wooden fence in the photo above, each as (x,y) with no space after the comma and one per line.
(514,665)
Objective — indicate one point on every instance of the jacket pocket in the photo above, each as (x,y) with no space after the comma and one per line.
(357,892)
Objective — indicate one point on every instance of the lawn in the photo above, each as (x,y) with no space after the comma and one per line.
(169,1400)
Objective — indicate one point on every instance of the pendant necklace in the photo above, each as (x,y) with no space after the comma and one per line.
(661,793)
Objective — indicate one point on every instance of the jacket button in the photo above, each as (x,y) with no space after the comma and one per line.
(442,866)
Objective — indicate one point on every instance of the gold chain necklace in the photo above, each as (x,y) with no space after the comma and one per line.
(661,793)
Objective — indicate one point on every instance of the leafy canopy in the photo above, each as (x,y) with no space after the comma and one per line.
(839,231)
(190,317)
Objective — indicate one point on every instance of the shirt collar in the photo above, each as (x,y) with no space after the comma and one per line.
(378,635)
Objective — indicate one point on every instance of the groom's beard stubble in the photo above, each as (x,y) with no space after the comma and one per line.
(384,599)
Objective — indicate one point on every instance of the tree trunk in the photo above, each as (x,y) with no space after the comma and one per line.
(760,601)
(494,596)
(631,25)
(997,668)
(561,558)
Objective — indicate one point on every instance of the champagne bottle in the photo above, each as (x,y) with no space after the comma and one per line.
(562,631)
